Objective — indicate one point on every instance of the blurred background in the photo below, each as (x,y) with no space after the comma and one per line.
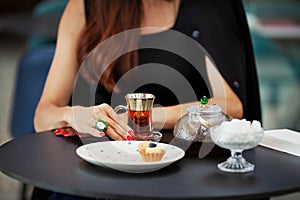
(28,26)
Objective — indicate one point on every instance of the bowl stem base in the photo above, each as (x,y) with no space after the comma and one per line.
(236,163)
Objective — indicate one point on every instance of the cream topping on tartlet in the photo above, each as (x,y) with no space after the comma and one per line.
(153,148)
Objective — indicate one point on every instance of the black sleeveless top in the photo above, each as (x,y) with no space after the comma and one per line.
(179,76)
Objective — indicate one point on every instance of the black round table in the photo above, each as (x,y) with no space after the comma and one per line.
(50,162)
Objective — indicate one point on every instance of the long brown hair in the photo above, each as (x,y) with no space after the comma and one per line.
(108,18)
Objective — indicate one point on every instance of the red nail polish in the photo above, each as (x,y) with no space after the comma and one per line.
(129,137)
(101,134)
(131,133)
(65,133)
(57,131)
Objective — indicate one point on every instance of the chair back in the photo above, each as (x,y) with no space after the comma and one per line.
(31,74)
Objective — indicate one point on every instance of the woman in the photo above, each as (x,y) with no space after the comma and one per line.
(219,27)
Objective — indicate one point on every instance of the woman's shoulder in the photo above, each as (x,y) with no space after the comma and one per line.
(73,18)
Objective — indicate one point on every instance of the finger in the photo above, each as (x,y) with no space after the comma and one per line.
(122,119)
(57,131)
(70,132)
(93,131)
(113,134)
(124,131)
(113,130)
(107,114)
(117,129)
(119,122)
(65,131)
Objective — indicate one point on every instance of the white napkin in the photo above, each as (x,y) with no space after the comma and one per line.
(284,140)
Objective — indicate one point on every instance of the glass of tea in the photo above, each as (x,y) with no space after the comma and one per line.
(139,109)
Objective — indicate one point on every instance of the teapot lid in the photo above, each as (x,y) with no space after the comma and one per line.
(205,109)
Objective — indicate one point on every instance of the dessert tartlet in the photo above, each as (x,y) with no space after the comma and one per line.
(150,152)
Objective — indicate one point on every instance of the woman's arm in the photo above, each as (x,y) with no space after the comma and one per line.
(52,110)
(223,95)
(166,117)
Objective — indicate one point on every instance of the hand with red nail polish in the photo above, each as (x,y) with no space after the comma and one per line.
(66,132)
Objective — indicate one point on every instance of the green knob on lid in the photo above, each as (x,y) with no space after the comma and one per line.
(204,100)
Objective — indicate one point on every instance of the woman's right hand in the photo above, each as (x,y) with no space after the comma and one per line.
(84,119)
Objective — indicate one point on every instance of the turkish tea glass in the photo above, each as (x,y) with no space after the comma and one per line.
(139,108)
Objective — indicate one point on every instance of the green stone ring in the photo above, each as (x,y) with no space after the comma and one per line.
(204,100)
(101,125)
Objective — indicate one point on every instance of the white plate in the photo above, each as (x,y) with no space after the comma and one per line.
(124,156)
